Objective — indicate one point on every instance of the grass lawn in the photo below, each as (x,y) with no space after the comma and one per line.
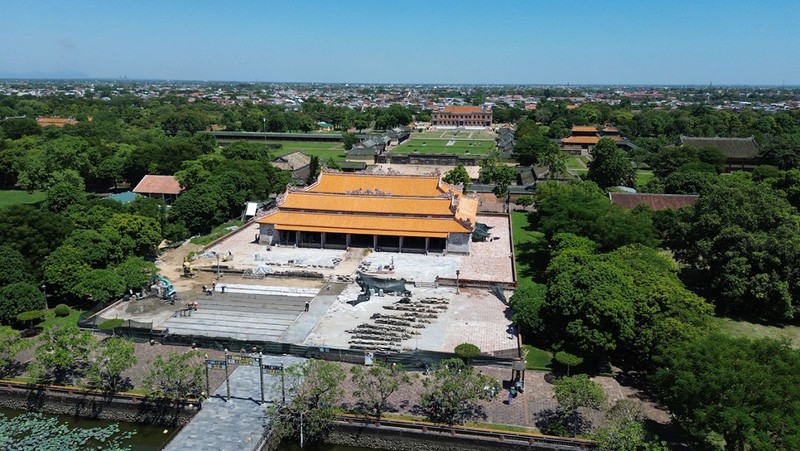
(741,328)
(452,134)
(51,319)
(424,146)
(529,248)
(216,232)
(537,359)
(14,197)
(575,163)
(643,176)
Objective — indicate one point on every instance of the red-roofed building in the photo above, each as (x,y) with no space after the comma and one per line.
(462,116)
(654,201)
(163,187)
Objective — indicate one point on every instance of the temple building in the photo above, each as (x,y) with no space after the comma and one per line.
(462,116)
(391,213)
(583,138)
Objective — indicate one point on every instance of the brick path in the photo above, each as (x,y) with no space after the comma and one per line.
(525,410)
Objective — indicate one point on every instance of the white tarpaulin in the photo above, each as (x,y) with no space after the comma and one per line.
(251,209)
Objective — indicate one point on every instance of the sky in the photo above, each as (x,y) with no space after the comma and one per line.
(666,42)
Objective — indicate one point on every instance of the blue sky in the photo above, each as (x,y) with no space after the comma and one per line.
(535,42)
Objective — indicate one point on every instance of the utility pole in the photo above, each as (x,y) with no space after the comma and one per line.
(261,373)
(458,273)
(283,386)
(208,386)
(227,381)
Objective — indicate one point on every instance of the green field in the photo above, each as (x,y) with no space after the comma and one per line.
(741,328)
(530,249)
(574,163)
(322,150)
(14,197)
(643,176)
(452,134)
(428,146)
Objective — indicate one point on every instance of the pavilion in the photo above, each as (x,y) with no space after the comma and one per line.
(391,212)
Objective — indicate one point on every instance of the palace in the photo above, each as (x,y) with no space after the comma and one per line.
(462,116)
(394,213)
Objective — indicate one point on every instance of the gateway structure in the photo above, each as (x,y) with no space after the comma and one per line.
(394,213)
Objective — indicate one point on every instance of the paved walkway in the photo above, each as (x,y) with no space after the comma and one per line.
(237,424)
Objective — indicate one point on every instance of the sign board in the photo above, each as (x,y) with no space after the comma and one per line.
(216,364)
(368,358)
(242,360)
(272,369)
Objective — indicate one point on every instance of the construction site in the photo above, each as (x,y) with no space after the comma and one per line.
(352,298)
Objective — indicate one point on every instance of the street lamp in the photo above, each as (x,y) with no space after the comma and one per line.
(458,273)
(44,289)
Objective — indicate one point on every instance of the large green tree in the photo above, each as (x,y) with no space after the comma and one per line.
(177,376)
(114,356)
(573,392)
(451,394)
(61,353)
(610,165)
(583,209)
(375,384)
(746,391)
(743,240)
(19,297)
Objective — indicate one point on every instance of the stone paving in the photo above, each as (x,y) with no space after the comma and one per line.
(527,409)
(245,312)
(474,315)
(491,260)
(238,423)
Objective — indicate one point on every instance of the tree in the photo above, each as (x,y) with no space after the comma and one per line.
(16,128)
(313,170)
(15,267)
(524,201)
(567,359)
(375,384)
(114,356)
(467,352)
(135,273)
(689,182)
(628,303)
(503,177)
(743,390)
(62,195)
(63,269)
(178,376)
(573,392)
(610,165)
(316,386)
(98,251)
(62,350)
(537,149)
(526,301)
(458,176)
(349,139)
(134,234)
(34,431)
(451,395)
(11,343)
(19,297)
(742,240)
(100,285)
(624,431)
(583,209)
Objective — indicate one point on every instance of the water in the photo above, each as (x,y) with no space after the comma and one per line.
(147,437)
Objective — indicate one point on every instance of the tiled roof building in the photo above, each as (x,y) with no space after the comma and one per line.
(653,201)
(740,153)
(395,213)
(164,187)
(462,116)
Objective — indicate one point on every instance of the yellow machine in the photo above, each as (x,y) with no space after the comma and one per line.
(187,270)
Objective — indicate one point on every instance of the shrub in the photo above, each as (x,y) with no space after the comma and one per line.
(61,310)
(466,351)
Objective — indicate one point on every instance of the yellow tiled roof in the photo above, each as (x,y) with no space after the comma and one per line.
(581,140)
(396,185)
(422,206)
(363,224)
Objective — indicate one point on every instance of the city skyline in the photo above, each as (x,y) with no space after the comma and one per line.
(614,43)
